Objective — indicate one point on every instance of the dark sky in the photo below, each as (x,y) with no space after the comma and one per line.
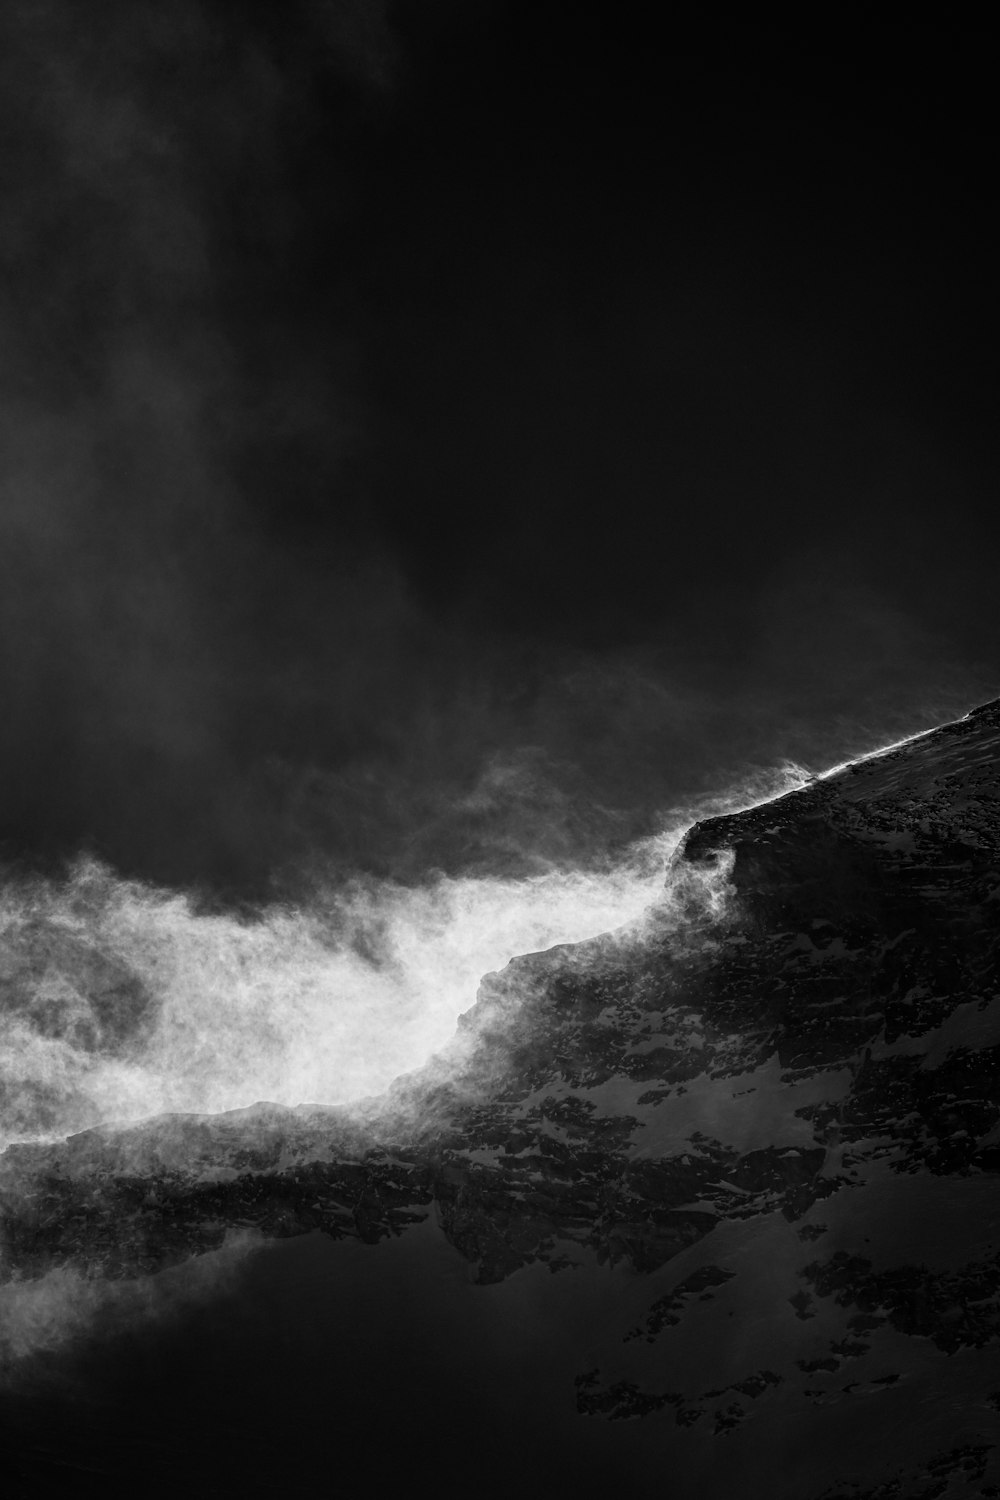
(443,434)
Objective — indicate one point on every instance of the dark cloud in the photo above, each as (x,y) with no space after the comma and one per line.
(434,436)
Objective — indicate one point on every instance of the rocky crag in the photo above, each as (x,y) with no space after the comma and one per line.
(770,1113)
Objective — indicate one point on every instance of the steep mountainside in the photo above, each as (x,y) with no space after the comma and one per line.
(762,1125)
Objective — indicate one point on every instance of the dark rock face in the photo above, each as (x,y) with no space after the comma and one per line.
(776,1122)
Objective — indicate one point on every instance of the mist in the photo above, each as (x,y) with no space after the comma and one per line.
(415,505)
(119,1001)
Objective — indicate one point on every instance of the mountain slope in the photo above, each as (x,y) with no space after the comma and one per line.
(761,1126)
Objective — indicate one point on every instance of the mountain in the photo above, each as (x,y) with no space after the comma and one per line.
(714,1197)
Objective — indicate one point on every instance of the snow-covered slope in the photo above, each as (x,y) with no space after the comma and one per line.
(765,1120)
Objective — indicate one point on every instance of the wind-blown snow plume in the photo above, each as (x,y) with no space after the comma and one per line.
(118,1000)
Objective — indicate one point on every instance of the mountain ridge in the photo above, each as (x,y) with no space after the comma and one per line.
(757,1103)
